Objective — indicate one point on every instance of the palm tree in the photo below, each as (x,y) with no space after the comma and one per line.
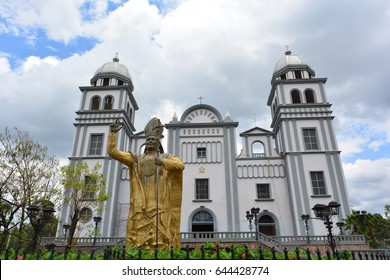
(374,227)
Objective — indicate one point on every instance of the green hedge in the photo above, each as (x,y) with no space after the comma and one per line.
(208,251)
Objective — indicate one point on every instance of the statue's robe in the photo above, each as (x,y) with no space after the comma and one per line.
(145,178)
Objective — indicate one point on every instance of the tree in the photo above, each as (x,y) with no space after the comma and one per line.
(27,174)
(373,226)
(387,212)
(84,188)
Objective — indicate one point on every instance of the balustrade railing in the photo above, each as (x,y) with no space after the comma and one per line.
(195,237)
(83,241)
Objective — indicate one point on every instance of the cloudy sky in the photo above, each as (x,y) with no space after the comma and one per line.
(223,50)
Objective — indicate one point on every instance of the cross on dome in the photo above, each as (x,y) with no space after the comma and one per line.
(288,52)
(116,59)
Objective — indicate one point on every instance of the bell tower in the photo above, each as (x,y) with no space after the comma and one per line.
(302,123)
(108,98)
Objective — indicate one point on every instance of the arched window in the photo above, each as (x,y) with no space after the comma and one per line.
(267,225)
(85,215)
(309,95)
(129,111)
(295,97)
(108,100)
(95,103)
(202,221)
(258,149)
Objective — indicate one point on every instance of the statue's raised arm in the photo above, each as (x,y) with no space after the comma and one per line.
(116,126)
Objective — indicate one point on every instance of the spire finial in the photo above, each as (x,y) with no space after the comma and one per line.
(200,99)
(288,52)
(116,59)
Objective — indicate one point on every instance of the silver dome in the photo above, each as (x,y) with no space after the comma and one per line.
(113,67)
(289,59)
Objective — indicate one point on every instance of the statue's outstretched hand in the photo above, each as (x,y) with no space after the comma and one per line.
(116,126)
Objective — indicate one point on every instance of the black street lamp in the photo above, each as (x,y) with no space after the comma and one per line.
(305,218)
(39,217)
(249,216)
(325,213)
(66,228)
(97,221)
(362,216)
(252,215)
(340,225)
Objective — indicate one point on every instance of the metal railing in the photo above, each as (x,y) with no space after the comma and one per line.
(196,252)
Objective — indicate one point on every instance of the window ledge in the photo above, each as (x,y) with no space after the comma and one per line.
(320,195)
(264,199)
(94,156)
(201,200)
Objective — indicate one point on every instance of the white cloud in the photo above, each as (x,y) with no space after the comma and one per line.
(351,146)
(93,9)
(60,19)
(32,62)
(367,181)
(4,65)
(375,145)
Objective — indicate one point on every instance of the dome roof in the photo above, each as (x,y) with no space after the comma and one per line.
(113,67)
(288,60)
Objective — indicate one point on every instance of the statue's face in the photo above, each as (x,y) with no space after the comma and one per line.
(152,144)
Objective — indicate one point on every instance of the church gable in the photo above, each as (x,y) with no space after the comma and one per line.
(201,113)
(256,131)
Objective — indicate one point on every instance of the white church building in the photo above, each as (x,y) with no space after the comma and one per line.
(284,171)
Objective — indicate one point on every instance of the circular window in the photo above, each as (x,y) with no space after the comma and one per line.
(85,215)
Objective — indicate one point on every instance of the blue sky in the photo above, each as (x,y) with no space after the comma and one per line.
(186,48)
(18,48)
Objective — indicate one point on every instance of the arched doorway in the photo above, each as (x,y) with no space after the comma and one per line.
(202,221)
(267,225)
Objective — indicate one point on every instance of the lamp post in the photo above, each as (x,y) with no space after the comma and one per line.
(39,217)
(362,216)
(66,228)
(340,225)
(249,216)
(305,218)
(325,213)
(97,221)
(252,215)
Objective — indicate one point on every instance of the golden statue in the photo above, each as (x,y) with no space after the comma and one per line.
(155,190)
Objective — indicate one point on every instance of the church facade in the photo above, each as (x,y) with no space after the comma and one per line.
(284,171)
